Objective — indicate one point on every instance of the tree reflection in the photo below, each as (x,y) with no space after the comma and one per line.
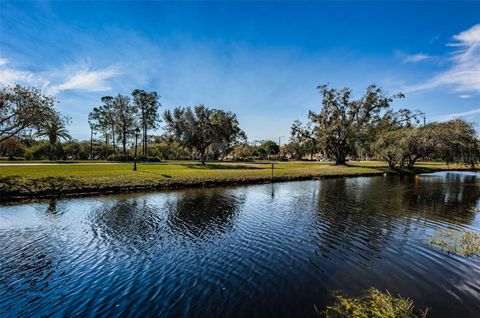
(360,217)
(451,196)
(139,223)
(130,223)
(202,212)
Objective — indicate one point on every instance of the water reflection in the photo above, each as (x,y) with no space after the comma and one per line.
(199,212)
(140,223)
(263,250)
(126,222)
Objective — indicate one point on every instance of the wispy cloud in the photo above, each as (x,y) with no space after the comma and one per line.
(463,74)
(458,115)
(87,80)
(78,77)
(416,58)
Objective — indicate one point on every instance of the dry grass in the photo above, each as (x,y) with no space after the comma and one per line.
(372,304)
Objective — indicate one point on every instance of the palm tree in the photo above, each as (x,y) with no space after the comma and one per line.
(54,129)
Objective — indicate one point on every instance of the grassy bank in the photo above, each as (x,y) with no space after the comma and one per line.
(49,180)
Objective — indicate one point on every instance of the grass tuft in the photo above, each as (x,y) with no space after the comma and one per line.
(372,304)
(461,243)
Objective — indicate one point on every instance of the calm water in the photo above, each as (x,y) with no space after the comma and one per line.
(262,250)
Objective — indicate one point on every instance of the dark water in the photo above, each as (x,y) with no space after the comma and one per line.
(263,250)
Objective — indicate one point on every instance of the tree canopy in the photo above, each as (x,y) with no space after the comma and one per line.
(344,123)
(147,106)
(201,127)
(23,108)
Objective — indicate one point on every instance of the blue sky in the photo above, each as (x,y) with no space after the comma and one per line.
(261,60)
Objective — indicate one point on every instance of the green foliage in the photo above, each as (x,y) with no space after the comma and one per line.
(453,141)
(55,130)
(387,147)
(344,123)
(12,148)
(147,105)
(79,150)
(267,149)
(372,304)
(456,142)
(201,127)
(462,243)
(23,108)
(302,140)
(244,152)
(124,118)
(40,150)
(294,150)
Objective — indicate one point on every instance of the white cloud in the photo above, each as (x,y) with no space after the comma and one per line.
(87,80)
(457,115)
(12,76)
(465,96)
(470,36)
(464,72)
(416,58)
(78,77)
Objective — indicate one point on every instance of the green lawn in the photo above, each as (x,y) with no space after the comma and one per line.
(41,180)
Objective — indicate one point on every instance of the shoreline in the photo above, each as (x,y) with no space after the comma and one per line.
(12,194)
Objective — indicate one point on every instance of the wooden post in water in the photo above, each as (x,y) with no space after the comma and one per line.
(273,164)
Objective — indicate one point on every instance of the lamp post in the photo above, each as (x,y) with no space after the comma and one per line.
(137,132)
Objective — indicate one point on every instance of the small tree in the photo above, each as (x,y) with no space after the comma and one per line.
(11,148)
(55,130)
(388,146)
(98,122)
(107,113)
(269,148)
(244,152)
(124,119)
(147,105)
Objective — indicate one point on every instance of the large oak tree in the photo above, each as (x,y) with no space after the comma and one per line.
(200,127)
(344,123)
(23,108)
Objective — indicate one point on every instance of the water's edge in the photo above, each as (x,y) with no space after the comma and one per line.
(14,196)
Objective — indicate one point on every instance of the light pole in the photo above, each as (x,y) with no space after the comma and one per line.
(137,132)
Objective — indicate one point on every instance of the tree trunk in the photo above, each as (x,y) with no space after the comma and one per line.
(91,144)
(113,141)
(145,142)
(50,153)
(340,158)
(106,146)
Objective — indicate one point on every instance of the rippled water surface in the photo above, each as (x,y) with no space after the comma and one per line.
(262,250)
